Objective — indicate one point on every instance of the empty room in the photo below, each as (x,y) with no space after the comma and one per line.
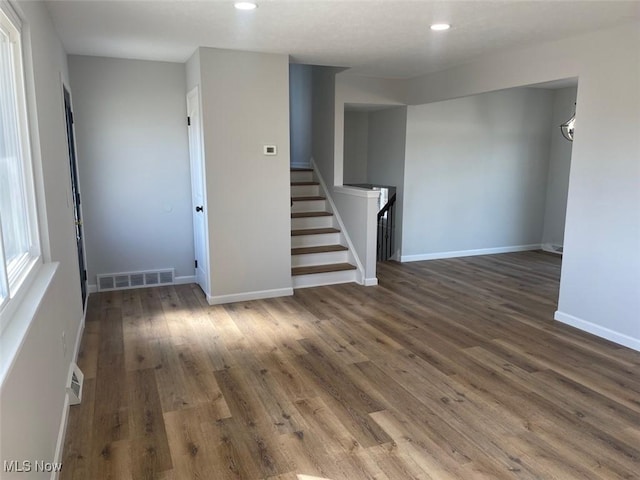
(319,240)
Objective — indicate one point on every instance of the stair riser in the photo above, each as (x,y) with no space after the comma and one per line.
(305,190)
(301,176)
(318,279)
(324,258)
(311,222)
(315,240)
(309,206)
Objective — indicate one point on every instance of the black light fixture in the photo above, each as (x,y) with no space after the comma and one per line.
(567,127)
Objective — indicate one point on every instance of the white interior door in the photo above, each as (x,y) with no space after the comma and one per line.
(198,196)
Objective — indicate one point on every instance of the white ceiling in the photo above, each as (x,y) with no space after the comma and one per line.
(387,38)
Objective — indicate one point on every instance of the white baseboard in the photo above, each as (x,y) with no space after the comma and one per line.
(468,253)
(598,330)
(242,297)
(62,432)
(184,280)
(336,215)
(92,288)
(57,458)
(547,247)
(370,282)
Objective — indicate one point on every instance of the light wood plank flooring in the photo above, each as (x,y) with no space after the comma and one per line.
(450,369)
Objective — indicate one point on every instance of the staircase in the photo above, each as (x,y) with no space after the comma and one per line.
(318,252)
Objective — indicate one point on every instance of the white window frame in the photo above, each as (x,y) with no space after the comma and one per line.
(14,286)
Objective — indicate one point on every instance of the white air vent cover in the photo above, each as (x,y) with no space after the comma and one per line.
(120,281)
(75,380)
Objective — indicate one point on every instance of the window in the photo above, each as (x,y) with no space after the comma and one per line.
(19,247)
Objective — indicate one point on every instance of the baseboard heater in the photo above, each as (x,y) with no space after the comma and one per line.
(147,278)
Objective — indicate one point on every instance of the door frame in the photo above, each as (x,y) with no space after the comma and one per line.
(194,96)
(84,287)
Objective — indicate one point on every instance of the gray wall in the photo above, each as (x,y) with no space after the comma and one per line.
(32,396)
(600,285)
(134,164)
(385,166)
(356,139)
(324,124)
(300,99)
(476,173)
(559,166)
(245,105)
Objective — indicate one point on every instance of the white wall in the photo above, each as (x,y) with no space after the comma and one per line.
(245,105)
(356,132)
(133,158)
(476,173)
(559,165)
(600,284)
(300,100)
(385,166)
(32,398)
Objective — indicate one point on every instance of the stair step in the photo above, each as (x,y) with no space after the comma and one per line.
(307,199)
(320,249)
(334,267)
(302,184)
(302,169)
(310,214)
(313,231)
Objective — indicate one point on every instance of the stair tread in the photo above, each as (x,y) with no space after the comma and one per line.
(313,231)
(332,267)
(302,184)
(302,169)
(308,199)
(319,249)
(310,214)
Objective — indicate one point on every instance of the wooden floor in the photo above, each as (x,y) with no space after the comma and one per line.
(450,369)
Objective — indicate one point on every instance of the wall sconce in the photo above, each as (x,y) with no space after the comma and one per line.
(567,127)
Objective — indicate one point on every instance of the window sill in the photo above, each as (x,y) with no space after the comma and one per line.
(16,329)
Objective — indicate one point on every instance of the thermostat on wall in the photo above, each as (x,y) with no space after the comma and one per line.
(270,150)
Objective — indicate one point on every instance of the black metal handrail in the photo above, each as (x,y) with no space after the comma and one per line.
(386,224)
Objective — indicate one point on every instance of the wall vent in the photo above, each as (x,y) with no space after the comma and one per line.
(149,278)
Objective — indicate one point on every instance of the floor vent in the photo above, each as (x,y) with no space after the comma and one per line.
(120,281)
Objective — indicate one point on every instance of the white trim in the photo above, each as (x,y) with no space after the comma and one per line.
(598,330)
(92,288)
(468,253)
(370,282)
(62,432)
(184,280)
(57,457)
(243,297)
(356,191)
(548,247)
(336,215)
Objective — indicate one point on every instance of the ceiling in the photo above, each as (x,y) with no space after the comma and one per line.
(386,38)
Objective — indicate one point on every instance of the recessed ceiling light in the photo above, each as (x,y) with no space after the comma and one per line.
(440,27)
(245,5)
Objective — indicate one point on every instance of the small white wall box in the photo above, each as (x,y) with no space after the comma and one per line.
(270,150)
(74,384)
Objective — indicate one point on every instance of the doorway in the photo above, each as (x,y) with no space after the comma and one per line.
(75,194)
